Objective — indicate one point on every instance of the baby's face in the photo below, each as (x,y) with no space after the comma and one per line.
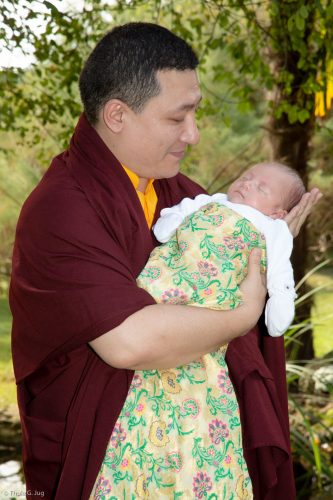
(263,187)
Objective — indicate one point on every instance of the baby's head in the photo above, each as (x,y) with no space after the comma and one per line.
(270,187)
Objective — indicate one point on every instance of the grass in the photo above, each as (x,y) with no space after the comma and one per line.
(7,383)
(322,314)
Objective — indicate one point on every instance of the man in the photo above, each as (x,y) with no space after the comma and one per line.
(81,325)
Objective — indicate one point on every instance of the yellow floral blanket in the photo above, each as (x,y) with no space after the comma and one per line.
(179,434)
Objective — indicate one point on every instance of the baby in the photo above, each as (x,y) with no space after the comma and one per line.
(207,242)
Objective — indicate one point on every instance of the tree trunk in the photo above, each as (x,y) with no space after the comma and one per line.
(290,142)
(291,145)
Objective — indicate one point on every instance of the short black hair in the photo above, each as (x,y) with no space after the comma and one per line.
(124,63)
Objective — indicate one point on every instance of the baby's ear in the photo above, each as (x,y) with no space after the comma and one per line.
(279,214)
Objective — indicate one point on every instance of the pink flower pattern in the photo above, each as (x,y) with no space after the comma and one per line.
(174,460)
(218,431)
(207,269)
(103,488)
(190,407)
(224,382)
(216,220)
(183,246)
(136,381)
(201,484)
(118,435)
(174,296)
(234,243)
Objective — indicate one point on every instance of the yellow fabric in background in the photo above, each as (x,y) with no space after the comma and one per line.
(148,199)
(323,99)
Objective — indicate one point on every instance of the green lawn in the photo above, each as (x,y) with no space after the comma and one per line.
(322,313)
(7,384)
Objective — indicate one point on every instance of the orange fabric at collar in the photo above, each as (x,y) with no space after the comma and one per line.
(148,199)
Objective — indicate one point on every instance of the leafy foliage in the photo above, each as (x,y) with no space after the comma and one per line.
(310,407)
(46,93)
(281,48)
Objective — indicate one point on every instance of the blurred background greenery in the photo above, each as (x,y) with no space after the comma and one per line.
(267,79)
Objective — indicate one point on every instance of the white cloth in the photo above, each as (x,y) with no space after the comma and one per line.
(280,307)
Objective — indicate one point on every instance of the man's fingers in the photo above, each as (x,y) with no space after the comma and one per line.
(315,195)
(255,256)
(297,215)
(254,286)
(310,199)
(254,261)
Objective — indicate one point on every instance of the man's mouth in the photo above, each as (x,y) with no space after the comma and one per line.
(178,154)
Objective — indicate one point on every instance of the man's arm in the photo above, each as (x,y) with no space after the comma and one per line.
(164,336)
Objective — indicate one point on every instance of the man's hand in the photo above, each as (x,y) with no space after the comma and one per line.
(253,288)
(297,215)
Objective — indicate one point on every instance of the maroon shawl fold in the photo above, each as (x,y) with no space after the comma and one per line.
(257,369)
(81,241)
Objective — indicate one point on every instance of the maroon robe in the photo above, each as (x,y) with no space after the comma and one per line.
(81,241)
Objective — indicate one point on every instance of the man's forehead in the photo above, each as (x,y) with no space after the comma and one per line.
(178,81)
(187,106)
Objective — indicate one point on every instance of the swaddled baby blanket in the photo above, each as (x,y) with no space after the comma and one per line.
(205,259)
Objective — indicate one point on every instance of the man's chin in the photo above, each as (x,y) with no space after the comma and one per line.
(169,172)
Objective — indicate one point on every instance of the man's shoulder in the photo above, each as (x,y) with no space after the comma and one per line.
(57,200)
(56,182)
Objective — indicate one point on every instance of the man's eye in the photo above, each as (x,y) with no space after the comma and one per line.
(177,120)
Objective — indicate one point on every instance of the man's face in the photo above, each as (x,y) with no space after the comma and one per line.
(156,138)
(263,187)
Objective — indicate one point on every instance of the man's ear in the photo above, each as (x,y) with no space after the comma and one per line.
(279,214)
(113,112)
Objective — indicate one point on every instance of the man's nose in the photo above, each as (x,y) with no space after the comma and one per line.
(190,134)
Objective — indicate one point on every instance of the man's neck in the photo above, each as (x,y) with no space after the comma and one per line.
(106,138)
(142,184)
